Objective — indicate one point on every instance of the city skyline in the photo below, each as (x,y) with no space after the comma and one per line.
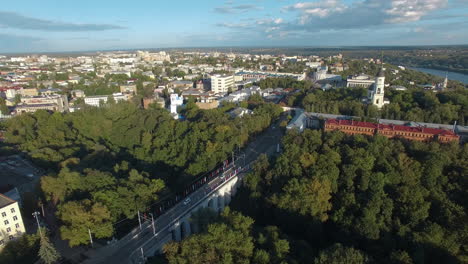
(31,26)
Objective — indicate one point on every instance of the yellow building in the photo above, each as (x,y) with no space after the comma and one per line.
(29,92)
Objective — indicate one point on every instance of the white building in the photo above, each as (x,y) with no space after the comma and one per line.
(122,60)
(97,99)
(376,91)
(322,74)
(362,80)
(176,101)
(11,222)
(222,83)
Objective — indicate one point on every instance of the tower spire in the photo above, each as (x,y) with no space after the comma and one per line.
(381,59)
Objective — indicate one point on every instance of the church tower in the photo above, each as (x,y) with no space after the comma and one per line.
(444,85)
(377,94)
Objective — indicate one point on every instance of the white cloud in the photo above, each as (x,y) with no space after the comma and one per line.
(278,21)
(233,25)
(235,9)
(334,14)
(322,8)
(402,11)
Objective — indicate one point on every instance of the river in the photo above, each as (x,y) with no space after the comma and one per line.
(451,75)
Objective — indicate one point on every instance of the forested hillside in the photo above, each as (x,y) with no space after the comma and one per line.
(104,164)
(333,198)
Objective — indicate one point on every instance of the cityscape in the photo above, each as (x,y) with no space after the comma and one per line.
(294,132)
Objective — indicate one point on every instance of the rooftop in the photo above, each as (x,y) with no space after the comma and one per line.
(393,127)
(4,201)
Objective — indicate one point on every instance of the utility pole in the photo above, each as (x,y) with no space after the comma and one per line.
(139,220)
(42,207)
(152,224)
(142,255)
(36,215)
(233,162)
(90,237)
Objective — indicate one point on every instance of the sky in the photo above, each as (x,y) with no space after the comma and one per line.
(85,25)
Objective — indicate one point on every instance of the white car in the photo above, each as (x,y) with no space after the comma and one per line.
(187,201)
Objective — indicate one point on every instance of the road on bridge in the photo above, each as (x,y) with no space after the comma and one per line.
(127,250)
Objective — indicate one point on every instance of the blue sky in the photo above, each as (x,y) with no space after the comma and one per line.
(57,25)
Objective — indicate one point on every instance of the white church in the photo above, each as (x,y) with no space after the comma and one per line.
(375,94)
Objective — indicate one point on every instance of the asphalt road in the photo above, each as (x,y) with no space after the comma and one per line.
(128,249)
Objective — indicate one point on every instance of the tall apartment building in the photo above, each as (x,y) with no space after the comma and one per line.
(11,222)
(222,83)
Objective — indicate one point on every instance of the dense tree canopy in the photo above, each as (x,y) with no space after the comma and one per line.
(105,164)
(230,238)
(412,105)
(391,199)
(334,198)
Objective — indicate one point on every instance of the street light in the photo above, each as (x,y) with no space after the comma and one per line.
(152,224)
(36,215)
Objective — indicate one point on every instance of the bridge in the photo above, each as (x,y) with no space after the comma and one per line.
(215,195)
(174,223)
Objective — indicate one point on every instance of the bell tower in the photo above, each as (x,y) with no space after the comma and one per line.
(377,96)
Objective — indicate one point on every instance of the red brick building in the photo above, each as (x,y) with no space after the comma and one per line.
(390,131)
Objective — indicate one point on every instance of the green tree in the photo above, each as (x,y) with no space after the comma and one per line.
(47,252)
(308,197)
(80,216)
(338,254)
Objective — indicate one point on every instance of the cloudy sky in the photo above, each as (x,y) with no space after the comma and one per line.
(57,25)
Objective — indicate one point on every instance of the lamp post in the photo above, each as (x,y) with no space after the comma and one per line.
(36,215)
(152,224)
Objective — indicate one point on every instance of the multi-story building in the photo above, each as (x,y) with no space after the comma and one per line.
(98,99)
(31,104)
(260,75)
(222,83)
(11,222)
(390,131)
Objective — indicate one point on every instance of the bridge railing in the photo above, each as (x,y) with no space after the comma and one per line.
(240,171)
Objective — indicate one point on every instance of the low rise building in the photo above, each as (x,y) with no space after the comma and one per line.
(239,112)
(176,101)
(30,104)
(78,93)
(361,81)
(97,100)
(180,85)
(322,74)
(50,91)
(128,88)
(154,100)
(412,133)
(29,92)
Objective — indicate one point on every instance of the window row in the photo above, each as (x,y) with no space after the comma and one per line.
(12,210)
(6,222)
(3,241)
